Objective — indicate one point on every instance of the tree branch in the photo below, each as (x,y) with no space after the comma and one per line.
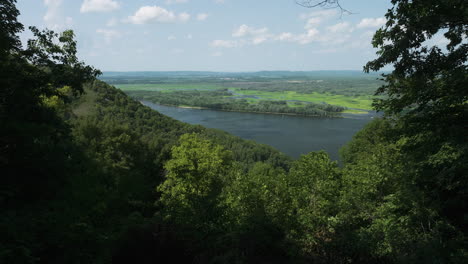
(329,4)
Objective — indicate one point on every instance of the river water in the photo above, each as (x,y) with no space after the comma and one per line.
(293,135)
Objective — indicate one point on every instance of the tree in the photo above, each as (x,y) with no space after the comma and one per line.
(313,188)
(9,28)
(426,93)
(37,156)
(191,191)
(425,101)
(323,4)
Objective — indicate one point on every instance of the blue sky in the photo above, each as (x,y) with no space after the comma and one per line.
(212,35)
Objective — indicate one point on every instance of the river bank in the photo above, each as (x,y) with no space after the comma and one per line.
(338,115)
(293,135)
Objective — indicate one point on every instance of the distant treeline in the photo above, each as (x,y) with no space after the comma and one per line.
(217,100)
(354,87)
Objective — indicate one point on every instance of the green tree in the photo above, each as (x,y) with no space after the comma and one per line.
(426,96)
(255,204)
(191,190)
(37,156)
(313,189)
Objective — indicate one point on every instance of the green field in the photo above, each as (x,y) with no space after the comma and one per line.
(359,102)
(355,104)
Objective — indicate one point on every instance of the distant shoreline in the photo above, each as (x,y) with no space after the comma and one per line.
(243,111)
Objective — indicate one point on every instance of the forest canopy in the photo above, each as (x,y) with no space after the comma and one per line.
(93,176)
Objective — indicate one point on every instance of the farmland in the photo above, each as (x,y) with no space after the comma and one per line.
(301,93)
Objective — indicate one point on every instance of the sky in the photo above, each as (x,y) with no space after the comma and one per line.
(212,35)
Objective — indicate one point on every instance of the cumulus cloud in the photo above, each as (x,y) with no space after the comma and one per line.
(305,38)
(308,37)
(340,27)
(318,29)
(109,34)
(149,14)
(54,18)
(285,36)
(313,22)
(372,22)
(202,16)
(245,30)
(99,6)
(254,36)
(184,17)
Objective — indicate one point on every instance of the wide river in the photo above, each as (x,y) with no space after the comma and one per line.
(293,135)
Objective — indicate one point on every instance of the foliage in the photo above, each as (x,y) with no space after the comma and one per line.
(193,183)
(426,96)
(81,174)
(221,100)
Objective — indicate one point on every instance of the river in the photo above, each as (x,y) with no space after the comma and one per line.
(293,135)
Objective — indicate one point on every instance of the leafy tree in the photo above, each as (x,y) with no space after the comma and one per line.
(37,155)
(255,204)
(31,79)
(191,191)
(427,97)
(313,189)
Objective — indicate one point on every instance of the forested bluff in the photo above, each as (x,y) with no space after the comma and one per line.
(93,176)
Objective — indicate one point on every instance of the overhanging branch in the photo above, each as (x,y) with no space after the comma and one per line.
(329,4)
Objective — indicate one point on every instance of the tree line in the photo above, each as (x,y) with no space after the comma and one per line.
(219,100)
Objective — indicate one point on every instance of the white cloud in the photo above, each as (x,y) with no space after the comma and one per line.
(109,34)
(255,36)
(311,35)
(171,37)
(305,38)
(326,40)
(245,30)
(184,17)
(148,14)
(313,22)
(99,6)
(220,1)
(52,13)
(340,27)
(53,18)
(202,16)
(224,43)
(372,22)
(259,40)
(189,36)
(285,36)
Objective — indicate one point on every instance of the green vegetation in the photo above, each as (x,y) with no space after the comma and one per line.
(346,94)
(165,87)
(92,176)
(220,100)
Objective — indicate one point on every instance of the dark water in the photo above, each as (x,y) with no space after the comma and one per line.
(292,135)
